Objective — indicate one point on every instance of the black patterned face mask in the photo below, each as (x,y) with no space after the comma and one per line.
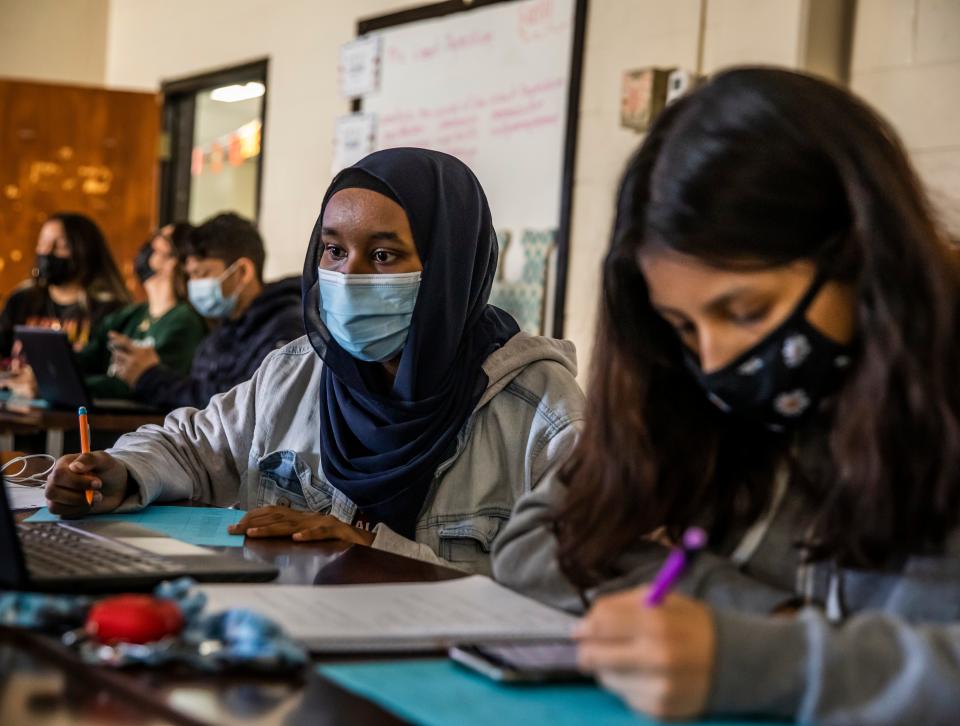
(781,378)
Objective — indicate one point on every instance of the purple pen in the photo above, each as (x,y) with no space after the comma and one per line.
(694,539)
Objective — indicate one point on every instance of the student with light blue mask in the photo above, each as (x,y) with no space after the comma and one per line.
(413,415)
(223,259)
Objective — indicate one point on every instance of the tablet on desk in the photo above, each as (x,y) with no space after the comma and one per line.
(522,662)
(59,379)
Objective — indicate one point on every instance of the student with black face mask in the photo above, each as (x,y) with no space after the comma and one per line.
(165,323)
(75,283)
(775,363)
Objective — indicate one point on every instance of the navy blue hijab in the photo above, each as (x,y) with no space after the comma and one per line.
(382,448)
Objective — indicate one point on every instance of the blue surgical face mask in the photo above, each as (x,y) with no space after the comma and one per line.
(368,315)
(206,296)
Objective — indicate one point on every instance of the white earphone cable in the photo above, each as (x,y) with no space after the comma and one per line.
(31,480)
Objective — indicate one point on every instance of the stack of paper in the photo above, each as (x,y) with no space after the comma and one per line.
(22,497)
(420,616)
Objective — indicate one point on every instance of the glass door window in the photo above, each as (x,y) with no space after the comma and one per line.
(213,131)
(225,158)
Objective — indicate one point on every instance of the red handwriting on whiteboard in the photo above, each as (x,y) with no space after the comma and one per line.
(540,19)
(465,41)
(426,52)
(459,127)
(451,44)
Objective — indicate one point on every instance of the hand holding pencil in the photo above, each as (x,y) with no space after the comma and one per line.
(85,444)
(88,482)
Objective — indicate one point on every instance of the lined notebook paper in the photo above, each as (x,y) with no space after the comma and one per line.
(418,616)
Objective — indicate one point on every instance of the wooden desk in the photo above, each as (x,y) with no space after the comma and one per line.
(16,419)
(43,683)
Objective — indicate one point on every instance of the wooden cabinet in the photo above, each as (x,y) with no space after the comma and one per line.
(79,149)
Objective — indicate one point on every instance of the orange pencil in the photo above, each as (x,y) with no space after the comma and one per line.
(85,444)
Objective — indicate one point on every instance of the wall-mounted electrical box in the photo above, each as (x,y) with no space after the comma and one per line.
(646,91)
(643,96)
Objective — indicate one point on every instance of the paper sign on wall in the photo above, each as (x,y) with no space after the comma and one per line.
(354,139)
(360,66)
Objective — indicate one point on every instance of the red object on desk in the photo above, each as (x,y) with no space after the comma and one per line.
(133,619)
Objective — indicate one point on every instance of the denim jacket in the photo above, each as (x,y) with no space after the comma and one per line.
(257,445)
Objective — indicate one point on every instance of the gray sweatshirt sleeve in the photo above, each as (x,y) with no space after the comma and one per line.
(872,669)
(525,559)
(196,454)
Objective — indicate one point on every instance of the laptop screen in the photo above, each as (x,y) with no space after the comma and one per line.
(48,352)
(13,571)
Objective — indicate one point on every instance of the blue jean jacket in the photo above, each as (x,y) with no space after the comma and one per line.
(257,445)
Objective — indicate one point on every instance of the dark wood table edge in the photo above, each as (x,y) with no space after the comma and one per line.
(128,684)
(51,650)
(354,566)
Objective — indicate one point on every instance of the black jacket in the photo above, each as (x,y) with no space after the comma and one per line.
(32,305)
(231,352)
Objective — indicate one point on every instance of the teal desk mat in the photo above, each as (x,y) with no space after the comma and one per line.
(204,526)
(438,692)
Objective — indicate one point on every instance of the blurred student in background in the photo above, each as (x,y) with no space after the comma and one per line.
(75,283)
(165,324)
(223,260)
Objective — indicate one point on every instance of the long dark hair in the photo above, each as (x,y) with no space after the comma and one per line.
(95,268)
(765,167)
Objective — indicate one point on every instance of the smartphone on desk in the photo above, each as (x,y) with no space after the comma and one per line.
(543,662)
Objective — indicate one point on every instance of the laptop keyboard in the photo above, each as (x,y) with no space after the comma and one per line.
(52,550)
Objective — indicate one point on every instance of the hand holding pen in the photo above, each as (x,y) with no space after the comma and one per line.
(654,649)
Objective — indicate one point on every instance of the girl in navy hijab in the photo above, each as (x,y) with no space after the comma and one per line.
(412,416)
(400,379)
(426,392)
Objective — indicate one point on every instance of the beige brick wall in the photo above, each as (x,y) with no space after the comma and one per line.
(661,34)
(625,34)
(906,63)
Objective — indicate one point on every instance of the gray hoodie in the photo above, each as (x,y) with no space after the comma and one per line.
(257,445)
(865,647)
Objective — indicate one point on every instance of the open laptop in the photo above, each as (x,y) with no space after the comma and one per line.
(59,379)
(91,556)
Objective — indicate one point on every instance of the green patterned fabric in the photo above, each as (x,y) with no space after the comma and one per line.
(524,298)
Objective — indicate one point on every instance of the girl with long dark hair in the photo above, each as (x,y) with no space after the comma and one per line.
(776,362)
(75,282)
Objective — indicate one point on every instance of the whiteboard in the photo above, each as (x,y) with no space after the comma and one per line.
(491,87)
